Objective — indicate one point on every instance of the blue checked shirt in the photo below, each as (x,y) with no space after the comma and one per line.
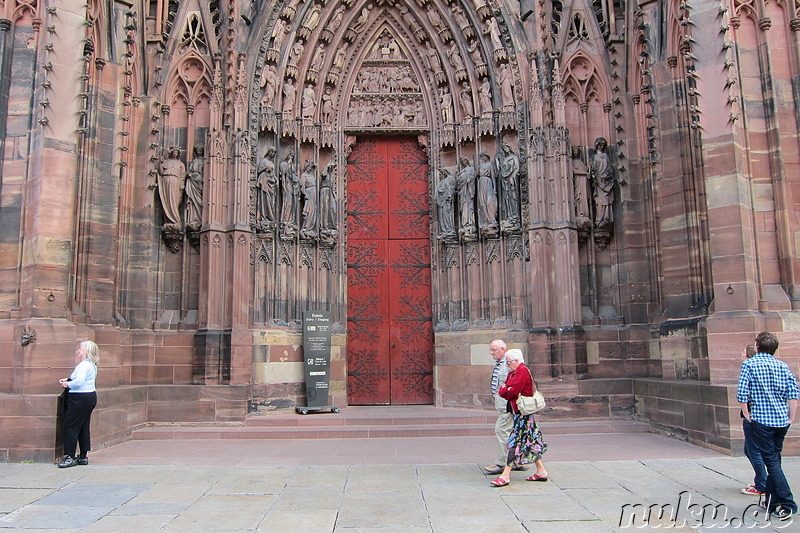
(767,384)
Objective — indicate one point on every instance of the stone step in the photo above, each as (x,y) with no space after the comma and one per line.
(363,428)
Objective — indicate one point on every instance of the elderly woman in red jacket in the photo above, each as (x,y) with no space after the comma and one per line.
(525,445)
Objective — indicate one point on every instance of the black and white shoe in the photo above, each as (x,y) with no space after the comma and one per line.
(68,462)
(83,461)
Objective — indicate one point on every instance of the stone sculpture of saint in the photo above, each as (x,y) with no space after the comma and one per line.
(269,82)
(317,58)
(278,34)
(433,57)
(290,188)
(309,102)
(494,33)
(267,185)
(289,94)
(602,176)
(171,175)
(309,188)
(194,189)
(580,181)
(326,113)
(487,196)
(445,198)
(455,57)
(336,20)
(446,100)
(466,100)
(485,97)
(328,212)
(506,86)
(508,171)
(466,197)
(312,19)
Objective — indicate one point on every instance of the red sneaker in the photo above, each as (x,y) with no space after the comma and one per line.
(751,491)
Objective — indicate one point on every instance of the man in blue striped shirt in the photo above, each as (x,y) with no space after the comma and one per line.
(771,389)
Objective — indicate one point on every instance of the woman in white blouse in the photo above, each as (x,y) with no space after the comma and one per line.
(79,404)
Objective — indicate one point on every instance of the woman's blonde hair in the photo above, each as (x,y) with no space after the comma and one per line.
(92,352)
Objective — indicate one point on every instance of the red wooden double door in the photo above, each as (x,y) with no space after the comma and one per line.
(389,323)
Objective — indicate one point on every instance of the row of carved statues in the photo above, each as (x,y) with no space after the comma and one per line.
(308,205)
(470,203)
(483,202)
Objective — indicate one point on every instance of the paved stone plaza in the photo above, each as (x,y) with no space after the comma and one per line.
(409,485)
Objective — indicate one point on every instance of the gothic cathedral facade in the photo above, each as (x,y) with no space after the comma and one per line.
(607,185)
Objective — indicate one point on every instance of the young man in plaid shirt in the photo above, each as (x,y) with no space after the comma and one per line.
(771,389)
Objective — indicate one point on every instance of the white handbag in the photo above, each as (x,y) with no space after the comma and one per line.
(528,405)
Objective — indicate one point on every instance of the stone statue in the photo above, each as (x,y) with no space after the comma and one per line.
(433,57)
(494,33)
(446,100)
(487,196)
(290,188)
(309,102)
(295,53)
(308,186)
(362,19)
(194,189)
(466,100)
(312,19)
(269,82)
(506,86)
(289,95)
(445,196)
(466,197)
(474,49)
(336,20)
(327,110)
(317,58)
(278,34)
(171,175)
(455,57)
(485,97)
(328,212)
(508,171)
(602,176)
(580,181)
(434,18)
(267,186)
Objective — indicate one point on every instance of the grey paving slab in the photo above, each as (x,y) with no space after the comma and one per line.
(382,509)
(308,520)
(580,474)
(53,517)
(152,508)
(466,502)
(129,524)
(182,493)
(12,499)
(301,499)
(131,474)
(105,495)
(39,476)
(319,476)
(591,526)
(253,480)
(548,507)
(484,524)
(382,477)
(224,512)
(382,529)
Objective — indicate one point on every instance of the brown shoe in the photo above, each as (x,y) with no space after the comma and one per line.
(493,471)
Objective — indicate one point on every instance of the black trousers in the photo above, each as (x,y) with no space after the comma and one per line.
(77,415)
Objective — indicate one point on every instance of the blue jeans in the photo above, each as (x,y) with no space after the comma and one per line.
(754,456)
(769,441)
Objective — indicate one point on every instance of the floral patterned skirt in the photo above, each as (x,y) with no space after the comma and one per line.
(525,444)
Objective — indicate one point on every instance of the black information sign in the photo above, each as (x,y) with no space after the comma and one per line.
(317,356)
